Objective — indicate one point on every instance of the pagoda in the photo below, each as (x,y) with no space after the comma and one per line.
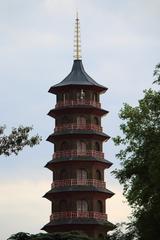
(78,191)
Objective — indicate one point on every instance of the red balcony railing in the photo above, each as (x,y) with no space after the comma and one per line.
(75,153)
(78,214)
(77,126)
(77,102)
(75,182)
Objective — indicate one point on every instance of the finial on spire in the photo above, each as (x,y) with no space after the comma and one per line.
(77,39)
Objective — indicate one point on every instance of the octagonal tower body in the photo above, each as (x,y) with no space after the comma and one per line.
(78,191)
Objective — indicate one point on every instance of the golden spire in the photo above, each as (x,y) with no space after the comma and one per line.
(77,40)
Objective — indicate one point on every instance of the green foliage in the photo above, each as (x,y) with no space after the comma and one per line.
(128,233)
(16,140)
(20,236)
(50,236)
(140,161)
(157,74)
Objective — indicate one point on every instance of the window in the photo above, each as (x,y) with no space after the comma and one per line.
(63,97)
(64,146)
(99,206)
(82,205)
(81,148)
(97,146)
(81,120)
(98,175)
(63,206)
(81,174)
(80,95)
(63,174)
(95,97)
(64,120)
(96,121)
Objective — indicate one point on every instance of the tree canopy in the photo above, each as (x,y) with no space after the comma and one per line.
(49,236)
(118,234)
(15,141)
(140,161)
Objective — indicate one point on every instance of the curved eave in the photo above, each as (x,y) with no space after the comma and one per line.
(76,109)
(78,221)
(58,89)
(77,78)
(76,134)
(50,165)
(70,189)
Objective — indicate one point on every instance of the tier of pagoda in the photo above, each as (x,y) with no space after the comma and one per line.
(78,192)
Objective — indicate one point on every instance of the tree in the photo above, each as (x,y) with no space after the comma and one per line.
(140,161)
(50,236)
(16,140)
(20,236)
(123,231)
(156,74)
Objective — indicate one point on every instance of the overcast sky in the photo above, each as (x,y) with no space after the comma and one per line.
(120,47)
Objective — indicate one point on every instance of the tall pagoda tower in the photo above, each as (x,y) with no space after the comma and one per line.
(78,191)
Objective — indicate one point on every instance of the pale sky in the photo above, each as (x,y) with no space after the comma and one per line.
(120,47)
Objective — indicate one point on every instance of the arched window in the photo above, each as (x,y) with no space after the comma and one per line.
(81,95)
(81,148)
(64,146)
(96,121)
(63,174)
(97,146)
(99,206)
(95,97)
(98,175)
(63,206)
(64,120)
(63,97)
(81,120)
(81,174)
(78,94)
(82,205)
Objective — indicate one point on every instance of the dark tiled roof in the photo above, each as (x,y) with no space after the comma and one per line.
(79,158)
(76,109)
(79,188)
(71,133)
(80,221)
(78,76)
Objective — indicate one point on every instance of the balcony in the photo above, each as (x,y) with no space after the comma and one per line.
(78,182)
(75,153)
(76,102)
(93,127)
(78,214)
